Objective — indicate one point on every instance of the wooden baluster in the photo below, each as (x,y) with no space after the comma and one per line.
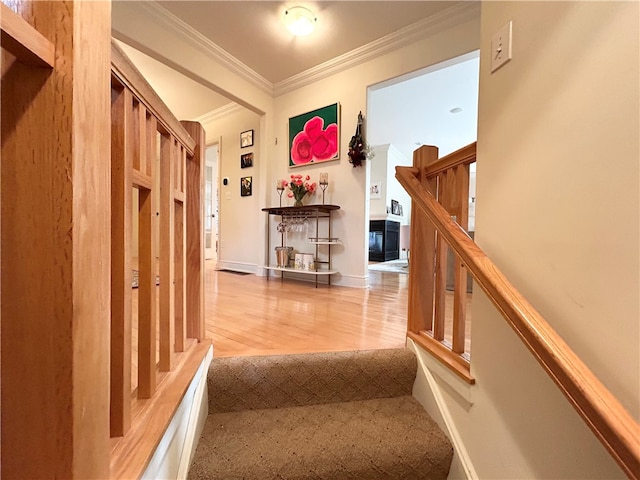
(195,233)
(461,193)
(180,256)
(168,147)
(147,267)
(441,268)
(137,133)
(121,275)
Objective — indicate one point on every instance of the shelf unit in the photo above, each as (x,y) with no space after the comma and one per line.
(314,212)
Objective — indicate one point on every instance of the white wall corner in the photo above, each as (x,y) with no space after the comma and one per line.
(427,392)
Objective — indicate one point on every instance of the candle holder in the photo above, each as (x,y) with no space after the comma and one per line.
(280,184)
(324,183)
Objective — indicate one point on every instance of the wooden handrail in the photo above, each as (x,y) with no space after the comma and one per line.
(462,156)
(129,76)
(610,422)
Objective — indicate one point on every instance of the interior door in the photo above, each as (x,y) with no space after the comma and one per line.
(211,203)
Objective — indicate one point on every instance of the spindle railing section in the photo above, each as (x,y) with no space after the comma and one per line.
(432,224)
(156,225)
(438,317)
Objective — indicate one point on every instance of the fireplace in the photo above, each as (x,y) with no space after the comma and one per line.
(384,240)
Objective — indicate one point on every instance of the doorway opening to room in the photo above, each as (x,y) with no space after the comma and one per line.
(438,106)
(211,202)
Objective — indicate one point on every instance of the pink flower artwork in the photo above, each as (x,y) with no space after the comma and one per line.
(314,142)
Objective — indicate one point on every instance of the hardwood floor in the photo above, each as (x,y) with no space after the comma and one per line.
(248,315)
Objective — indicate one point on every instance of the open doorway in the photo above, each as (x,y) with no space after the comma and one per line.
(211,202)
(436,106)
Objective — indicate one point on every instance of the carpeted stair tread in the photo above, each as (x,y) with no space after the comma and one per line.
(387,438)
(321,416)
(277,381)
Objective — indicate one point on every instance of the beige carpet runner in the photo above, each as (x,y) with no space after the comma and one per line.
(338,416)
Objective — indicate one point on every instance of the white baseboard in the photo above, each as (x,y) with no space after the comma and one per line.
(427,391)
(237,267)
(175,451)
(338,279)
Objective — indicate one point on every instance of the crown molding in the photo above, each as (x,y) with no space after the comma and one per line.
(218,113)
(170,22)
(456,14)
(427,27)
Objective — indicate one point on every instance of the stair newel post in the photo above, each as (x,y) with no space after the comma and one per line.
(423,242)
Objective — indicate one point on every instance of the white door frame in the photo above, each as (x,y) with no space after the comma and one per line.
(212,157)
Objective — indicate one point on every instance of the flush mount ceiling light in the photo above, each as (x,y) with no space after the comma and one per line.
(300,21)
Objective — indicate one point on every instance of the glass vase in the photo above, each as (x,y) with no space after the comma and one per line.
(298,200)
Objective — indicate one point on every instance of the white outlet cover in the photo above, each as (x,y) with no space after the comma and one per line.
(501,47)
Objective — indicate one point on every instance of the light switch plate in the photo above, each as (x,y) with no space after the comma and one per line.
(501,47)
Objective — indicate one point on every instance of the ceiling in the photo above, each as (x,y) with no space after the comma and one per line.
(254,33)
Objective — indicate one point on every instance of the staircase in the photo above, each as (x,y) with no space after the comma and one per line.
(346,415)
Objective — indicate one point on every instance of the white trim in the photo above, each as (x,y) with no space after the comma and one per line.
(169,21)
(436,405)
(237,266)
(197,416)
(353,281)
(405,36)
(218,113)
(422,29)
(337,279)
(177,446)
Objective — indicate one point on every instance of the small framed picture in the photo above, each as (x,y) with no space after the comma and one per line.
(395,207)
(245,186)
(246,160)
(246,139)
(375,190)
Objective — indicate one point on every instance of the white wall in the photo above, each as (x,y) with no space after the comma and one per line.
(383,170)
(415,109)
(349,186)
(240,221)
(242,224)
(558,211)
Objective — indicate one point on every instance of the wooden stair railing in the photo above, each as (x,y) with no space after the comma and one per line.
(448,332)
(160,161)
(616,429)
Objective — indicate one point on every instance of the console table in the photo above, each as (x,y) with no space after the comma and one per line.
(322,245)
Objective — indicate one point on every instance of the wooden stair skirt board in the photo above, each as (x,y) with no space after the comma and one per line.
(345,415)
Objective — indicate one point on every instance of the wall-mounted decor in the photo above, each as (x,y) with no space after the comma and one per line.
(375,190)
(315,136)
(395,207)
(245,186)
(359,151)
(246,160)
(246,139)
